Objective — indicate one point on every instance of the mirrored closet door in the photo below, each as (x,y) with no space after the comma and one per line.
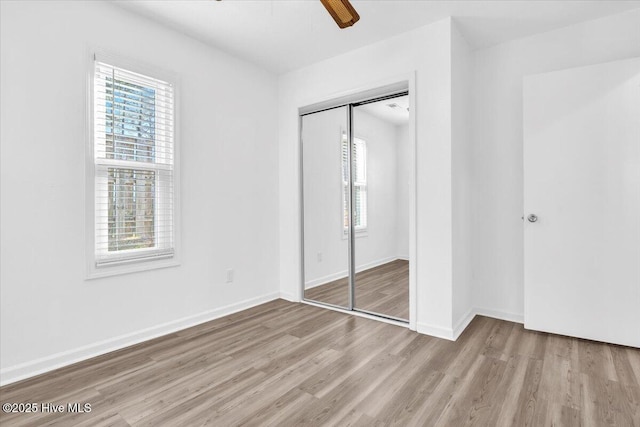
(381,206)
(355,181)
(326,248)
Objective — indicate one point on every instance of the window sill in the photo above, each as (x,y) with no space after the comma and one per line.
(132,267)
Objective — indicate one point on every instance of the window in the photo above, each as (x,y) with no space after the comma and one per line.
(359,184)
(133,147)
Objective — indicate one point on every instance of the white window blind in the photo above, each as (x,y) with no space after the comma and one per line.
(359,157)
(134,166)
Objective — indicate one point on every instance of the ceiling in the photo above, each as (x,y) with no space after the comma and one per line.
(397,115)
(282,35)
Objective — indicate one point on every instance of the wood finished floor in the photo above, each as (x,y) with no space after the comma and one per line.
(287,364)
(383,290)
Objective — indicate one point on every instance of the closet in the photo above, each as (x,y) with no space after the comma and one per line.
(355,205)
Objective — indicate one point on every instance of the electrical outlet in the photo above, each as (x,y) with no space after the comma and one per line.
(229,275)
(319,256)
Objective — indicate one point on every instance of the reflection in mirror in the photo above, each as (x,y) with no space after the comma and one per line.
(381,206)
(324,180)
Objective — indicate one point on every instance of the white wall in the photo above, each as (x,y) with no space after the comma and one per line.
(321,133)
(402,192)
(229,187)
(425,51)
(497,146)
(461,179)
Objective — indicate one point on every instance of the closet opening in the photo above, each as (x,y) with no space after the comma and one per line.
(357,181)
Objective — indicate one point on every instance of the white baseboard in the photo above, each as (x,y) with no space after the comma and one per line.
(498,314)
(450,334)
(435,331)
(288,296)
(403,257)
(462,324)
(32,368)
(342,274)
(325,279)
(454,333)
(376,263)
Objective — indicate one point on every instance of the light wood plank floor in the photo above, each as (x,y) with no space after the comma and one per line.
(383,290)
(286,364)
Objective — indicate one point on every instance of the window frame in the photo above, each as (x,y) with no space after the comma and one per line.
(360,231)
(126,265)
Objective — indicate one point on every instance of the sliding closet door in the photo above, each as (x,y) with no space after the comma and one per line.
(380,169)
(325,218)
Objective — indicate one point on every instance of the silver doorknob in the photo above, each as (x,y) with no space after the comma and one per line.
(532,218)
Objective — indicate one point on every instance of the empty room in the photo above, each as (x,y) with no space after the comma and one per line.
(320,213)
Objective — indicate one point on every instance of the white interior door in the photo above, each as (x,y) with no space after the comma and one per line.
(582,181)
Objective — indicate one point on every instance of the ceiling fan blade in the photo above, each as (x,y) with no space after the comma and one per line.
(342,12)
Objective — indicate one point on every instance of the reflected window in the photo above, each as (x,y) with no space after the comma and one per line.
(359,157)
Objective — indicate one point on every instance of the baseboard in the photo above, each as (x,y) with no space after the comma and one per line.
(454,333)
(32,368)
(435,331)
(498,314)
(463,323)
(376,263)
(342,274)
(288,296)
(325,279)
(403,257)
